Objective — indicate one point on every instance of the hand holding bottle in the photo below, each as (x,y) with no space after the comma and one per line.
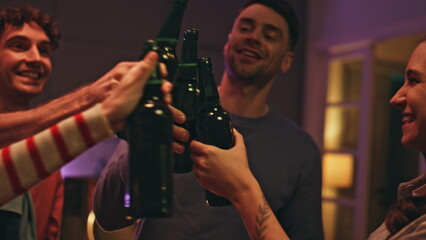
(124,98)
(179,133)
(186,95)
(223,172)
(227,174)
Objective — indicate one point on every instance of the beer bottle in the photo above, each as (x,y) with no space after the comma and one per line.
(186,94)
(214,125)
(150,151)
(168,36)
(167,39)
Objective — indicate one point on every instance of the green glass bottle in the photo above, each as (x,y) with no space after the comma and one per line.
(186,94)
(167,39)
(168,36)
(214,125)
(150,151)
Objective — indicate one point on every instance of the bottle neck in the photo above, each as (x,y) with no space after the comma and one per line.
(189,51)
(167,43)
(153,91)
(209,92)
(211,102)
(171,27)
(188,72)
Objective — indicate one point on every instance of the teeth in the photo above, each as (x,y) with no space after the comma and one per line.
(407,119)
(32,75)
(249,54)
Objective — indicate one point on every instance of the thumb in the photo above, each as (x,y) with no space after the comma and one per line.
(151,58)
(239,139)
(143,70)
(133,82)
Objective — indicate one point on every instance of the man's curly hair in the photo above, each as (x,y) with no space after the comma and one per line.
(18,15)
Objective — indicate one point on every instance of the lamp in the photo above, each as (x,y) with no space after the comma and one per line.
(338,170)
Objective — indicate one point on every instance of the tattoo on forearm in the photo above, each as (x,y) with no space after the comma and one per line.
(264,214)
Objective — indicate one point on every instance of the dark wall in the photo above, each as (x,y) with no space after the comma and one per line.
(98,34)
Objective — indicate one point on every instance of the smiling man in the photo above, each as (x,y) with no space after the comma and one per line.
(27,39)
(25,64)
(282,157)
(25,67)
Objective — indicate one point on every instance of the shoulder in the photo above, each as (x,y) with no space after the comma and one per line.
(285,127)
(379,234)
(406,188)
(413,231)
(118,163)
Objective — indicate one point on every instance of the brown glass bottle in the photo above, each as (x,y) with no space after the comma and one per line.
(186,94)
(214,125)
(150,151)
(168,36)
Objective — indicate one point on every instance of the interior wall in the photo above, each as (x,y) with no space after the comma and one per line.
(339,22)
(336,25)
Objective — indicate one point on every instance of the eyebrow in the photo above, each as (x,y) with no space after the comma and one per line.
(270,27)
(20,37)
(408,73)
(411,72)
(246,20)
(273,28)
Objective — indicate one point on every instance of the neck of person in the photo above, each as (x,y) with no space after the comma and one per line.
(242,99)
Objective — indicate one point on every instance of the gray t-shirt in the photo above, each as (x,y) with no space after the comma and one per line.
(282,157)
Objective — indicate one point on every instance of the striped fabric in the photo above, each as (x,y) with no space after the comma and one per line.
(25,163)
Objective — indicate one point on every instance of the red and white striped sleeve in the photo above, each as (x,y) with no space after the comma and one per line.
(26,162)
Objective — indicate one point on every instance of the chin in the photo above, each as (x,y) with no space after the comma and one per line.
(413,144)
(32,90)
(30,94)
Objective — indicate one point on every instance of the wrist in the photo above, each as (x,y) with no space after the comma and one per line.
(81,96)
(110,116)
(247,194)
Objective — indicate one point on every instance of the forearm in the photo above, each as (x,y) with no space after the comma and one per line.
(25,163)
(258,218)
(16,126)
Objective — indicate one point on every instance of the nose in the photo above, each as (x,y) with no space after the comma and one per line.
(33,56)
(399,100)
(254,37)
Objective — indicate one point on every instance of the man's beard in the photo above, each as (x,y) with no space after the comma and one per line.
(246,74)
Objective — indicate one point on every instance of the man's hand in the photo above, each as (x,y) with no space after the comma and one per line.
(179,133)
(100,89)
(123,99)
(223,172)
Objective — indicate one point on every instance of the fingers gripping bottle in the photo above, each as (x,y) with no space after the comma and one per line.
(214,125)
(186,94)
(150,151)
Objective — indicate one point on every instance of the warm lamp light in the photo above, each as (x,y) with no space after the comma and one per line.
(338,169)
